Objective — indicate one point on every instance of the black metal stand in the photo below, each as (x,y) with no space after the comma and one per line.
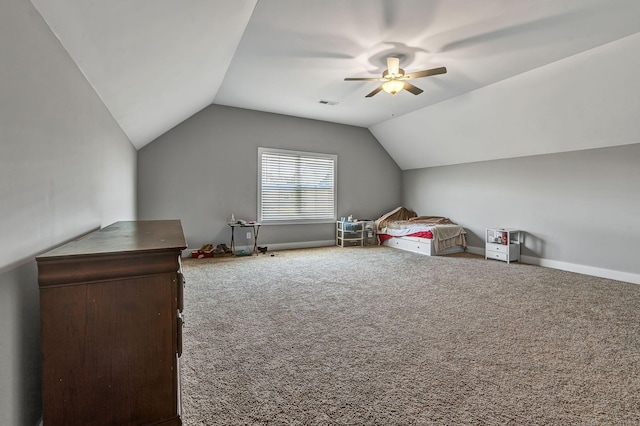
(256,229)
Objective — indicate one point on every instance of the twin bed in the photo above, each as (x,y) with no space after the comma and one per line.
(430,235)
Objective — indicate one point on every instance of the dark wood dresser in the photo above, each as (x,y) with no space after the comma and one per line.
(111,321)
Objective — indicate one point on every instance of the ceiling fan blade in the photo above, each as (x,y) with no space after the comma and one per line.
(374,92)
(411,88)
(362,79)
(426,73)
(393,65)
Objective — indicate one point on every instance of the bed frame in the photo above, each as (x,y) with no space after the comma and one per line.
(419,245)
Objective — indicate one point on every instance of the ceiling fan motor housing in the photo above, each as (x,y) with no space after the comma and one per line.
(386,74)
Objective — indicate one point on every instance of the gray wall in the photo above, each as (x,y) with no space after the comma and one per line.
(205,169)
(65,168)
(575,206)
(578,208)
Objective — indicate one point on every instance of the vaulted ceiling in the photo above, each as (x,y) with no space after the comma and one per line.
(155,63)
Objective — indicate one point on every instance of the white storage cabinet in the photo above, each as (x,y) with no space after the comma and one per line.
(503,244)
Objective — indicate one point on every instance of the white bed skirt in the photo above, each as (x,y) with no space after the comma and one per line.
(419,245)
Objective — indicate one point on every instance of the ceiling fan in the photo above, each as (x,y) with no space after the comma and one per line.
(395,79)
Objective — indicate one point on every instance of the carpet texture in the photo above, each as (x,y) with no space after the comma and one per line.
(379,336)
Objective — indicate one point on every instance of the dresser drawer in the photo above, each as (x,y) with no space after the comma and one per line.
(502,248)
(496,255)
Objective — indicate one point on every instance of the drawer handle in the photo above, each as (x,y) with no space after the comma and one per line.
(180,294)
(180,324)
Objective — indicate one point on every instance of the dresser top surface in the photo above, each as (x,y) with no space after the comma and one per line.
(125,236)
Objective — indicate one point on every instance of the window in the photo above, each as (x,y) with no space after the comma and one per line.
(296,187)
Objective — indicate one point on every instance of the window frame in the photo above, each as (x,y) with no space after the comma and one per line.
(300,154)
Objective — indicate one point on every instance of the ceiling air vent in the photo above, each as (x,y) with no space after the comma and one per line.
(328,102)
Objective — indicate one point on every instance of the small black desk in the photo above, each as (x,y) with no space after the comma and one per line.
(256,228)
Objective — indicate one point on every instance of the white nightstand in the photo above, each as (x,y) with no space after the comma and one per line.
(503,244)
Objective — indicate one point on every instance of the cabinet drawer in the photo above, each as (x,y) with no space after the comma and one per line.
(496,255)
(352,235)
(503,248)
(353,227)
(349,243)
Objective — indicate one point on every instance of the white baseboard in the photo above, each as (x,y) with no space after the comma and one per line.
(301,244)
(573,267)
(547,263)
(584,269)
(280,246)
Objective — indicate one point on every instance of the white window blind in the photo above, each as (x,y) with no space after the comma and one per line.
(296,186)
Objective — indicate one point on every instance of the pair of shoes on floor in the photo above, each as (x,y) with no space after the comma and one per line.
(207,248)
(222,248)
(262,250)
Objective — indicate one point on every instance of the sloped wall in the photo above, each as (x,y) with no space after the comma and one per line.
(65,168)
(586,101)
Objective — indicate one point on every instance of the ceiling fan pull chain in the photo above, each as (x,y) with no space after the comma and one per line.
(393,106)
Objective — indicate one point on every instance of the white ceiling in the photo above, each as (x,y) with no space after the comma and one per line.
(155,63)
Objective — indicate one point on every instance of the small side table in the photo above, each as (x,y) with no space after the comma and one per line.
(256,228)
(503,244)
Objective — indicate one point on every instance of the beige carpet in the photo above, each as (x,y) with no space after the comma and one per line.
(378,336)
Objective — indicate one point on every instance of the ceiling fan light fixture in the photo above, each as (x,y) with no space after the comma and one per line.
(393,86)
